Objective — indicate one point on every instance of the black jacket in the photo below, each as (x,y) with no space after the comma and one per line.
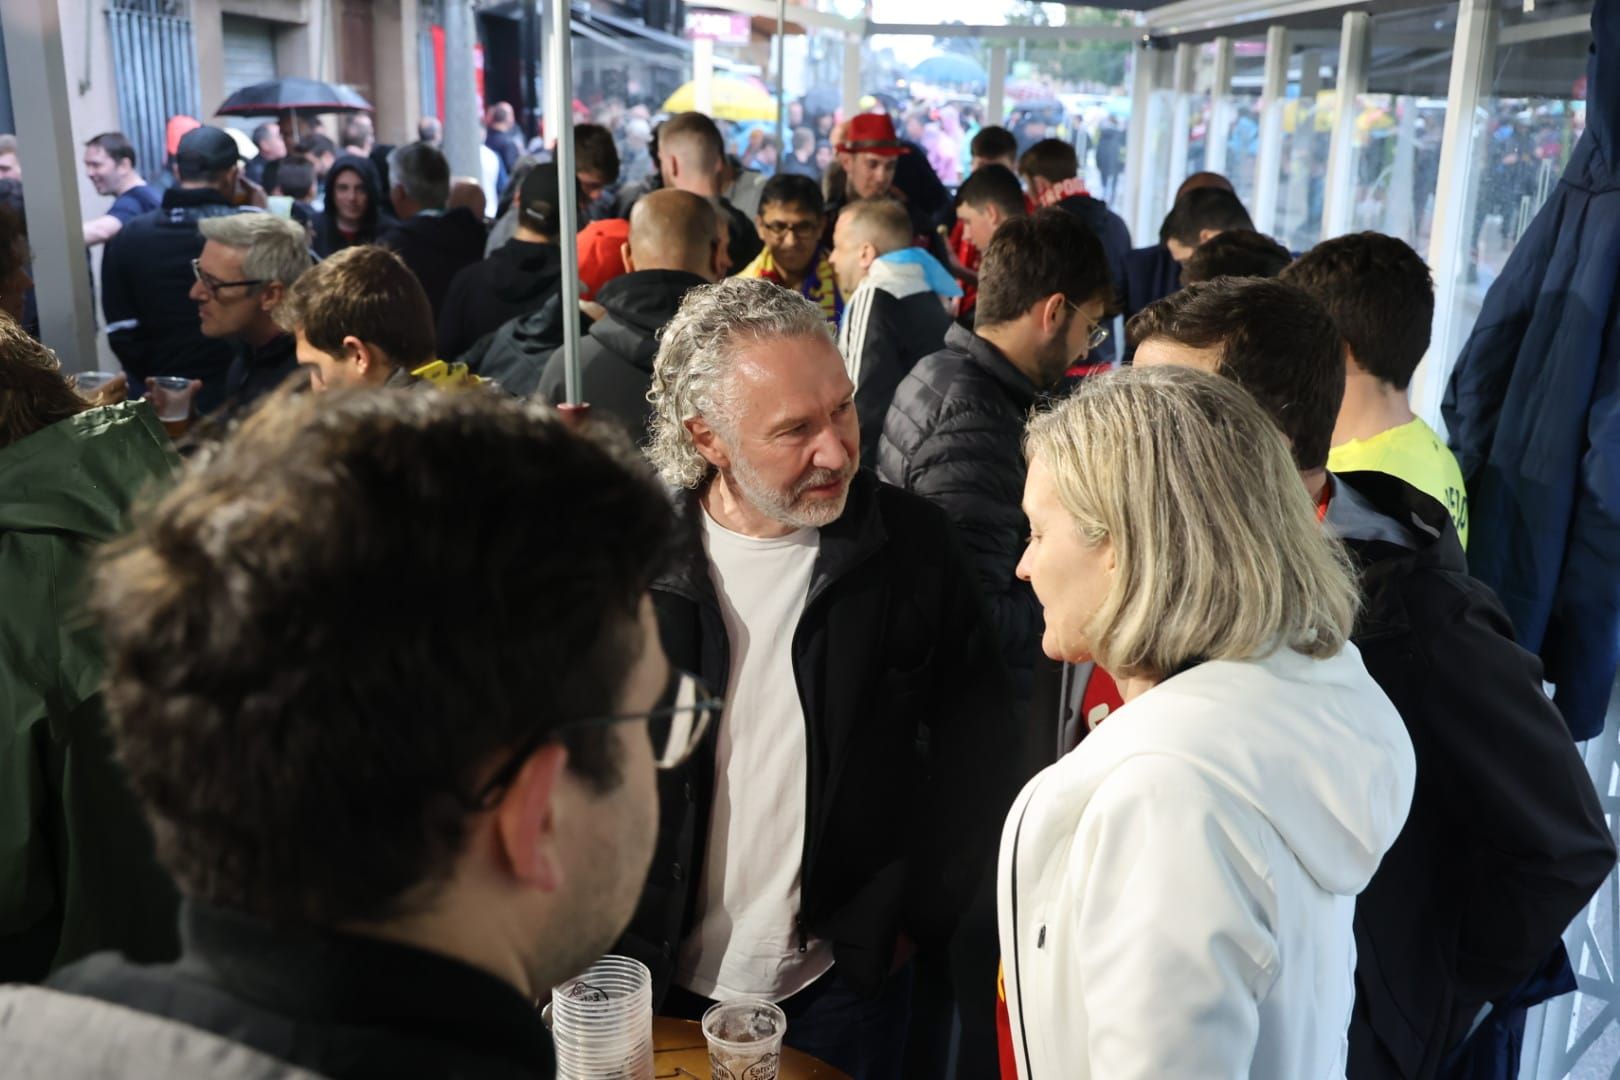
(743,243)
(1115,236)
(328,240)
(955,435)
(515,355)
(146,282)
(256,372)
(884,336)
(347,1007)
(1505,841)
(435,247)
(616,357)
(912,758)
(518,277)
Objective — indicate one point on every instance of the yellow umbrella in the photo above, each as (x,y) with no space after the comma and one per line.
(733,99)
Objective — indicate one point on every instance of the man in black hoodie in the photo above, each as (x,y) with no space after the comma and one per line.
(1460,927)
(674,245)
(516,278)
(434,242)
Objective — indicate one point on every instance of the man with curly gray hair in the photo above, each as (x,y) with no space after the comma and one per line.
(845,809)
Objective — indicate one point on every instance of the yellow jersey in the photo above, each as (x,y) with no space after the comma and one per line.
(1414,453)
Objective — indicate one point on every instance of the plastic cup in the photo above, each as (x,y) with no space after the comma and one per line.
(281,206)
(171,396)
(601,1022)
(88,382)
(745,1039)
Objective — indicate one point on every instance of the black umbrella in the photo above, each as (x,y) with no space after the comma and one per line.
(292,94)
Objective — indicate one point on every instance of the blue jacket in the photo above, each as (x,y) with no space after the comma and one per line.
(1534,414)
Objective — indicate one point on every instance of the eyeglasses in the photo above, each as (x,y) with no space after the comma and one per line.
(213,284)
(801,230)
(684,715)
(1099,332)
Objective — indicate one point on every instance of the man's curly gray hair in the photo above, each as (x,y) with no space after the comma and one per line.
(696,354)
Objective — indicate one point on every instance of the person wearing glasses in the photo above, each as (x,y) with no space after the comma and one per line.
(248,263)
(397,735)
(147,276)
(844,811)
(790,223)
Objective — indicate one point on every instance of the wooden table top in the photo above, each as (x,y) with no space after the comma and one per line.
(680,1053)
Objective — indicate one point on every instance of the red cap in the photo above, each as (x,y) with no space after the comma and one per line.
(599,256)
(871,133)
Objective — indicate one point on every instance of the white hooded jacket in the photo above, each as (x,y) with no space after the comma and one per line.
(1175,896)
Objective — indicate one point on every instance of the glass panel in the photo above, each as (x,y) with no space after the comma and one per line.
(1200,110)
(1398,123)
(1307,125)
(1237,119)
(1525,126)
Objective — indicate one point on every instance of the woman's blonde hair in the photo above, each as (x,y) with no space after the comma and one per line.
(34,393)
(1218,551)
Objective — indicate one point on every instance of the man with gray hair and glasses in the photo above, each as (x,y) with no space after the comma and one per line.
(435,239)
(248,263)
(845,808)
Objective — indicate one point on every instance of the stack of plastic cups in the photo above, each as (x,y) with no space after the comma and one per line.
(601,1022)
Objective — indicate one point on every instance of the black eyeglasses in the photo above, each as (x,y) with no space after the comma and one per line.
(684,715)
(801,230)
(213,284)
(1099,333)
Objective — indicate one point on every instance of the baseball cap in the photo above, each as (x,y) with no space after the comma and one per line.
(206,150)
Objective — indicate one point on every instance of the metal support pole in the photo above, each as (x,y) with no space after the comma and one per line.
(560,78)
(703,75)
(1338,200)
(1184,82)
(1472,64)
(852,76)
(1220,108)
(38,77)
(781,76)
(460,91)
(1268,164)
(995,106)
(1144,169)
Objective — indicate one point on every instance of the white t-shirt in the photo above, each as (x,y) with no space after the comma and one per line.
(745,942)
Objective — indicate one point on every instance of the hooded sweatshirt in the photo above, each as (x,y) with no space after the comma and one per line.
(77,872)
(435,245)
(1176,894)
(328,238)
(516,279)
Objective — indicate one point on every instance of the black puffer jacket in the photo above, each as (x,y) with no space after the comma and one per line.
(616,357)
(515,355)
(912,757)
(954,435)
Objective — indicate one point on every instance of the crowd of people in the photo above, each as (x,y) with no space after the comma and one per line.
(888,640)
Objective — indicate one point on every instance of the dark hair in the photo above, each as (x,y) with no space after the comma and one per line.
(993,142)
(694,125)
(115,146)
(315,145)
(1235,253)
(791,189)
(328,239)
(369,293)
(357,128)
(594,150)
(263,131)
(994,185)
(1030,258)
(1274,339)
(1052,160)
(1205,208)
(34,394)
(295,176)
(13,232)
(322,640)
(1380,295)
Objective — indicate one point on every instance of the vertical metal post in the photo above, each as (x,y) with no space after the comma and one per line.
(461,139)
(781,76)
(852,76)
(1338,200)
(1183,84)
(38,77)
(1144,176)
(1220,108)
(1472,71)
(703,75)
(995,106)
(560,79)
(1268,164)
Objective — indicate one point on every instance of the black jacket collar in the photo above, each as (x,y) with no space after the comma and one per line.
(178,198)
(993,362)
(364,982)
(848,542)
(1385,568)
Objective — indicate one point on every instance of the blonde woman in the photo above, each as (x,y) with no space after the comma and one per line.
(1176,894)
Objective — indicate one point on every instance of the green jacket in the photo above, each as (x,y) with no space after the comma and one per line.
(77,873)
